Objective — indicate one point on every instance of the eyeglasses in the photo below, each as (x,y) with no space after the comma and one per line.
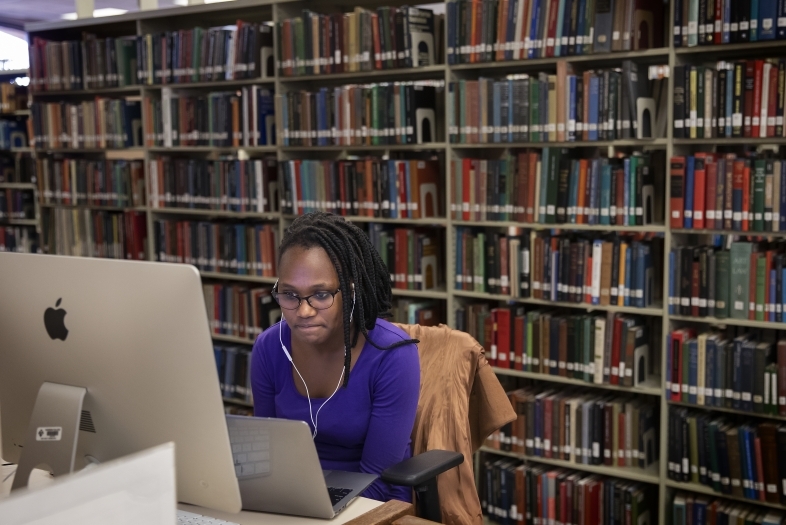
(317,301)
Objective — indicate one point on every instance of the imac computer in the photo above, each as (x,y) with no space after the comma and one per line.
(103,358)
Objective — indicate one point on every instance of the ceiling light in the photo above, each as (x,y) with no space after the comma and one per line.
(106,11)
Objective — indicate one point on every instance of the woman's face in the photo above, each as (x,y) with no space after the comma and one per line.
(303,272)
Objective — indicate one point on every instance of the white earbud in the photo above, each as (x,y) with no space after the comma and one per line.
(353,304)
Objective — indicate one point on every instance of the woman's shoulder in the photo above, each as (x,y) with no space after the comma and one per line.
(269,341)
(386,333)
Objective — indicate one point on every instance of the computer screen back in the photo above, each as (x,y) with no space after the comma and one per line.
(136,336)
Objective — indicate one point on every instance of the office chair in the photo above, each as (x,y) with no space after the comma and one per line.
(461,403)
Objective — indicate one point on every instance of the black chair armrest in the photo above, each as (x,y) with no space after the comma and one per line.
(419,469)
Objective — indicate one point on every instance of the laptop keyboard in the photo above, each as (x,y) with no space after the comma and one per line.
(337,495)
(189,518)
(250,449)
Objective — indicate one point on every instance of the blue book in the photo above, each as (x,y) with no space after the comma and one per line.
(630,269)
(605,194)
(573,197)
(700,510)
(750,465)
(688,214)
(497,117)
(754,21)
(218,353)
(594,95)
(726,26)
(534,42)
(647,277)
(626,191)
(510,29)
(768,19)
(593,182)
(451,9)
(510,106)
(240,249)
(266,117)
(580,28)
(693,370)
(781,31)
(771,297)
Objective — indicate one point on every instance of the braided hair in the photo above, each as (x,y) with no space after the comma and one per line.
(356,262)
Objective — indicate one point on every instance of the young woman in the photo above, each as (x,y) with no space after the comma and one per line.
(332,288)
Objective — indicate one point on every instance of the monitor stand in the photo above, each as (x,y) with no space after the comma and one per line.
(52,433)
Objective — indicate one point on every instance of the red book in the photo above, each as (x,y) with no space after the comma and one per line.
(711,220)
(746,198)
(466,167)
(759,481)
(756,114)
(551,33)
(502,328)
(718,33)
(699,192)
(375,36)
(772,101)
(580,215)
(504,270)
(677,175)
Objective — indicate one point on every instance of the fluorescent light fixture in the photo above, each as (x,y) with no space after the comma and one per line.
(106,11)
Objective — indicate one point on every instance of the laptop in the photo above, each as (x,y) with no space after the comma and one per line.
(278,469)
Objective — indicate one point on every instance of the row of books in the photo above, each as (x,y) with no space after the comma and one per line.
(745,460)
(743,98)
(16,204)
(232,52)
(563,107)
(99,123)
(702,510)
(572,425)
(413,256)
(360,114)
(18,168)
(712,369)
(219,118)
(233,364)
(12,97)
(608,348)
(95,182)
(91,233)
(13,133)
(608,270)
(512,493)
(223,247)
(745,281)
(225,184)
(241,311)
(360,40)
(730,192)
(90,63)
(370,187)
(551,187)
(23,239)
(496,30)
(727,22)
(417,311)
(230,118)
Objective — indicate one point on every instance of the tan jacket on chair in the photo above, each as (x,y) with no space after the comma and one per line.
(461,402)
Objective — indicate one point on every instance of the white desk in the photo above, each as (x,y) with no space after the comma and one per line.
(360,506)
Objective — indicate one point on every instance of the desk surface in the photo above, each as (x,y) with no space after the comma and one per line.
(358,507)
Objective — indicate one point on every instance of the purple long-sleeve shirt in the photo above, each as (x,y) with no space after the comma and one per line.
(365,427)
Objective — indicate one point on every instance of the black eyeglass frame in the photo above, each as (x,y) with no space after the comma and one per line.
(276,294)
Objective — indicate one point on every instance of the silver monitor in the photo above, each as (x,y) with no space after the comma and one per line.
(116,357)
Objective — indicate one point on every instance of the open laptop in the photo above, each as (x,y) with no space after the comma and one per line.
(278,469)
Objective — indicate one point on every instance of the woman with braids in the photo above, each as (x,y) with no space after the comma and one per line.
(332,362)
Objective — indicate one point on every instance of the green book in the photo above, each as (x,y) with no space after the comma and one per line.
(769,198)
(375,125)
(759,178)
(534,110)
(552,188)
(739,294)
(771,389)
(694,447)
(761,295)
(479,263)
(532,320)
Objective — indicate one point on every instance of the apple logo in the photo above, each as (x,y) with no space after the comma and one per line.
(54,322)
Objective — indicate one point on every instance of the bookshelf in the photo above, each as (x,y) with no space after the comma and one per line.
(211,15)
